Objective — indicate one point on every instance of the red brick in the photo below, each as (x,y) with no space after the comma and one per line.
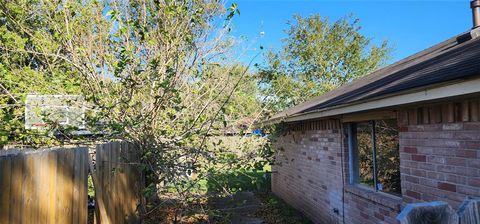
(428,182)
(365,216)
(446,169)
(426,166)
(467,135)
(475,163)
(433,127)
(426,150)
(466,153)
(471,126)
(467,172)
(410,149)
(419,158)
(379,216)
(447,187)
(384,212)
(436,175)
(361,207)
(456,179)
(456,161)
(404,170)
(474,182)
(414,194)
(419,173)
(468,190)
(411,179)
(470,144)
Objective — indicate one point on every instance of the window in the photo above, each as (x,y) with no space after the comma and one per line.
(374,155)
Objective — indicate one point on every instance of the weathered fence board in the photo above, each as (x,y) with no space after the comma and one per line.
(120,183)
(51,186)
(44,186)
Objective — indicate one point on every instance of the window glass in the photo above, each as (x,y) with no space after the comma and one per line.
(386,176)
(365,153)
(388,156)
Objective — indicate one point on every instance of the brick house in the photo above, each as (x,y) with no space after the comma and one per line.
(409,132)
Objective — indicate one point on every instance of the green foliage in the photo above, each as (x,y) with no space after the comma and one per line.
(238,180)
(235,163)
(91,189)
(317,56)
(25,67)
(387,158)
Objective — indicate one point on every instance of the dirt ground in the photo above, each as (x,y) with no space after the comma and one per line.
(240,208)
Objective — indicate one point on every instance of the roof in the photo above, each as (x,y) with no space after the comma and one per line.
(454,59)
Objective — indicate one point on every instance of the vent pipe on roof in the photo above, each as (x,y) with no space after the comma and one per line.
(475,5)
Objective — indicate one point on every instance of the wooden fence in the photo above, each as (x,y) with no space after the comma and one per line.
(118,184)
(50,186)
(44,186)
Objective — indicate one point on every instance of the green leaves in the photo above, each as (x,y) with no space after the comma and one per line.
(232,11)
(154,74)
(318,56)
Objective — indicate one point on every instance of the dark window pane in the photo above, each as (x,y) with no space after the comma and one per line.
(388,158)
(364,150)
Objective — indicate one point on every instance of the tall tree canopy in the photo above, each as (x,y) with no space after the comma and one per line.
(155,73)
(316,57)
(32,62)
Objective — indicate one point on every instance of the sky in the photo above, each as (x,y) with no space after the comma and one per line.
(409,26)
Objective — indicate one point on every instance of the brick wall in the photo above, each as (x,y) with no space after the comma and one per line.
(440,152)
(308,176)
(308,173)
(439,160)
(363,206)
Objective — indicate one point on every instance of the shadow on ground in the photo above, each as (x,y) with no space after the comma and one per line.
(250,202)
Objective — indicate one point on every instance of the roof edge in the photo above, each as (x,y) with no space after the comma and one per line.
(427,93)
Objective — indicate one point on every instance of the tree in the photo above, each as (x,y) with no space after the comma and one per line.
(26,67)
(155,73)
(317,56)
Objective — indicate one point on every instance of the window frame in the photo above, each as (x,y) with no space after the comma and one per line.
(353,158)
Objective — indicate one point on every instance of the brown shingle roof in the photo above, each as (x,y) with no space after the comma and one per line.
(453,59)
